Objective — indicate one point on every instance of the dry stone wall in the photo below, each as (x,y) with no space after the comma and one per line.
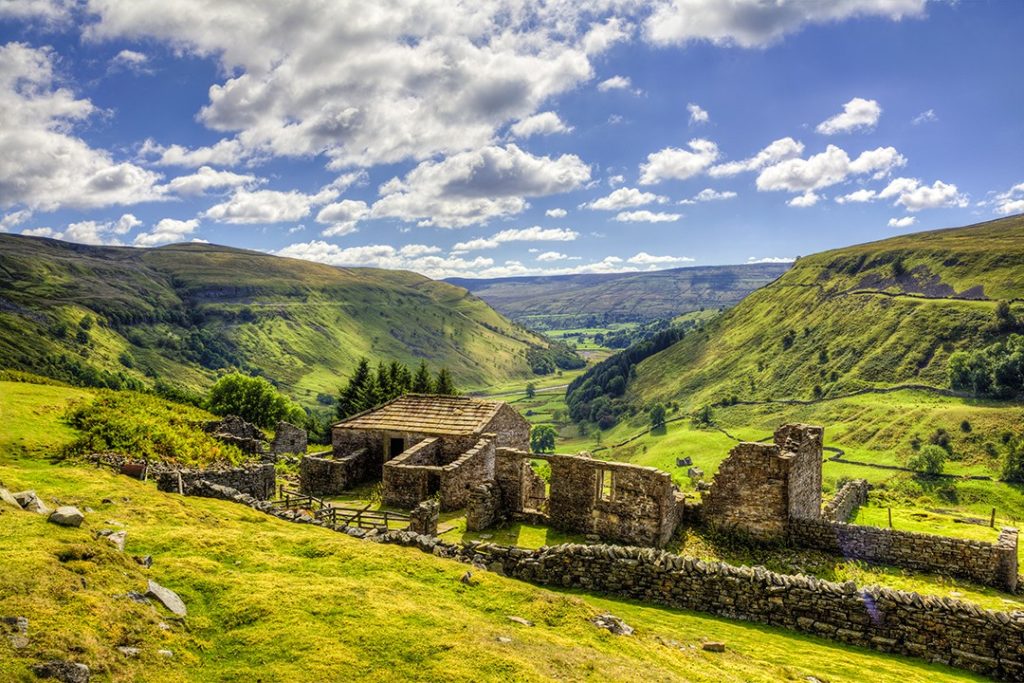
(425,470)
(851,496)
(327,476)
(288,439)
(257,481)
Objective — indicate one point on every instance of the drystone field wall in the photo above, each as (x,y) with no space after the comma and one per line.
(256,480)
(991,564)
(851,496)
(327,476)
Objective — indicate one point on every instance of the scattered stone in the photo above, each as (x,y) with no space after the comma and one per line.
(166,597)
(504,639)
(117,539)
(467,579)
(129,651)
(67,515)
(144,560)
(63,671)
(107,501)
(695,473)
(713,646)
(520,620)
(813,679)
(138,597)
(613,624)
(163,626)
(31,502)
(9,500)
(684,462)
(165,653)
(17,629)
(24,497)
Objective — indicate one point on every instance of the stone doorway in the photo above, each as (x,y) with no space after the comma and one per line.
(395,447)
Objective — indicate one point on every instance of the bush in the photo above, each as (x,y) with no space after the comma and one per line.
(1013,469)
(253,399)
(929,460)
(996,370)
(657,415)
(542,439)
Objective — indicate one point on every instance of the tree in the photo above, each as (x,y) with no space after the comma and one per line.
(350,399)
(657,415)
(531,390)
(929,460)
(703,417)
(1013,469)
(422,382)
(542,439)
(445,385)
(253,399)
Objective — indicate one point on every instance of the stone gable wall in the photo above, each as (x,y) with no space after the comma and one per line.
(323,476)
(803,444)
(991,564)
(459,478)
(288,439)
(851,496)
(258,481)
(510,429)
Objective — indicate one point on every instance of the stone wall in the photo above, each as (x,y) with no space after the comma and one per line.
(288,439)
(460,477)
(423,518)
(851,496)
(237,432)
(940,630)
(424,470)
(991,564)
(323,476)
(641,506)
(483,508)
(258,481)
(760,487)
(510,429)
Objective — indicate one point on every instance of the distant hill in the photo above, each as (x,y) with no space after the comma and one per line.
(623,296)
(869,316)
(123,316)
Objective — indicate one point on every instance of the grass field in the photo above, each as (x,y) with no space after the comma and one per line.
(269,600)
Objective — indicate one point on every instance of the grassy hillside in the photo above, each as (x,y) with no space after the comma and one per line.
(271,600)
(869,316)
(562,301)
(121,316)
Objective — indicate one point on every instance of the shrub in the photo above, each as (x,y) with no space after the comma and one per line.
(657,415)
(929,460)
(253,399)
(542,439)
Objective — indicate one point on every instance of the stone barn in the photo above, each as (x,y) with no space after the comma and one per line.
(419,446)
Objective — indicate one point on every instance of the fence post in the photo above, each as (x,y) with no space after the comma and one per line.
(992,522)
(890,518)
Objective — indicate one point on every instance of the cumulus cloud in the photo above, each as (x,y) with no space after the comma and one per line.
(709,195)
(827,168)
(130,60)
(615,83)
(223,153)
(673,163)
(807,199)
(38,232)
(623,198)
(267,206)
(166,231)
(753,23)
(912,195)
(697,115)
(556,213)
(857,114)
(545,123)
(14,218)
(472,187)
(342,216)
(927,116)
(859,197)
(770,259)
(548,256)
(904,222)
(42,164)
(48,11)
(602,36)
(534,234)
(779,150)
(93,232)
(645,216)
(206,178)
(1011,201)
(645,259)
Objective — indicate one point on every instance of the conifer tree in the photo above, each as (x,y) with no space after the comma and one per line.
(350,397)
(445,385)
(422,382)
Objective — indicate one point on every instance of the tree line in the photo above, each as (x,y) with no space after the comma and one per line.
(367,388)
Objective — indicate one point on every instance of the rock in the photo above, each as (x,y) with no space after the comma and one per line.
(17,629)
(684,462)
(713,646)
(62,670)
(163,626)
(165,653)
(504,639)
(613,624)
(107,501)
(467,579)
(145,560)
(67,515)
(8,500)
(520,620)
(166,597)
(28,500)
(23,497)
(117,539)
(129,651)
(695,473)
(138,597)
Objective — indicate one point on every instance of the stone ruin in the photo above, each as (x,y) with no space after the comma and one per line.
(288,439)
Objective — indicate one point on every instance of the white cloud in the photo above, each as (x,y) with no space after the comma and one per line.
(545,123)
(624,198)
(552,256)
(42,164)
(534,234)
(645,216)
(770,259)
(130,60)
(419,258)
(928,116)
(14,218)
(616,180)
(556,213)
(911,194)
(697,115)
(38,232)
(49,11)
(904,222)
(827,168)
(754,23)
(807,199)
(857,114)
(266,206)
(859,196)
(779,150)
(710,195)
(205,178)
(223,153)
(645,259)
(673,163)
(166,231)
(615,83)
(473,187)
(602,36)
(1011,201)
(343,216)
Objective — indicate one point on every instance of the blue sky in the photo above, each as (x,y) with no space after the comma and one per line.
(498,139)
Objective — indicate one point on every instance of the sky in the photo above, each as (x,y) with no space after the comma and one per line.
(507,137)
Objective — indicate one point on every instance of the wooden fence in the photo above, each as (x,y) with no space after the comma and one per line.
(337,515)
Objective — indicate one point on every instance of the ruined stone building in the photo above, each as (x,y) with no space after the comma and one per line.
(419,446)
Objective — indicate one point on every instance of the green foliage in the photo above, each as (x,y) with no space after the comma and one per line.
(703,418)
(444,384)
(657,415)
(422,382)
(253,399)
(531,390)
(996,370)
(929,460)
(557,356)
(367,389)
(141,426)
(542,439)
(1013,468)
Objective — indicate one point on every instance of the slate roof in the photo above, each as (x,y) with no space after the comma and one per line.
(427,414)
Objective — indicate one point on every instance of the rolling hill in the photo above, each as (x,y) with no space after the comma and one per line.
(121,316)
(619,297)
(866,317)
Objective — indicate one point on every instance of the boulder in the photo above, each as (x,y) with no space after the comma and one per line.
(117,539)
(520,620)
(8,500)
(28,500)
(713,646)
(613,624)
(67,515)
(64,671)
(24,497)
(145,560)
(695,473)
(166,597)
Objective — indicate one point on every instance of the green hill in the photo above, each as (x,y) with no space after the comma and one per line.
(561,301)
(871,316)
(120,317)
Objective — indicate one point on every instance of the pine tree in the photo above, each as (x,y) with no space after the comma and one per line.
(385,387)
(404,379)
(444,385)
(422,382)
(350,398)
(370,396)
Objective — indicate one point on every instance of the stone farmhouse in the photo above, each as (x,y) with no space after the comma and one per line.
(419,446)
